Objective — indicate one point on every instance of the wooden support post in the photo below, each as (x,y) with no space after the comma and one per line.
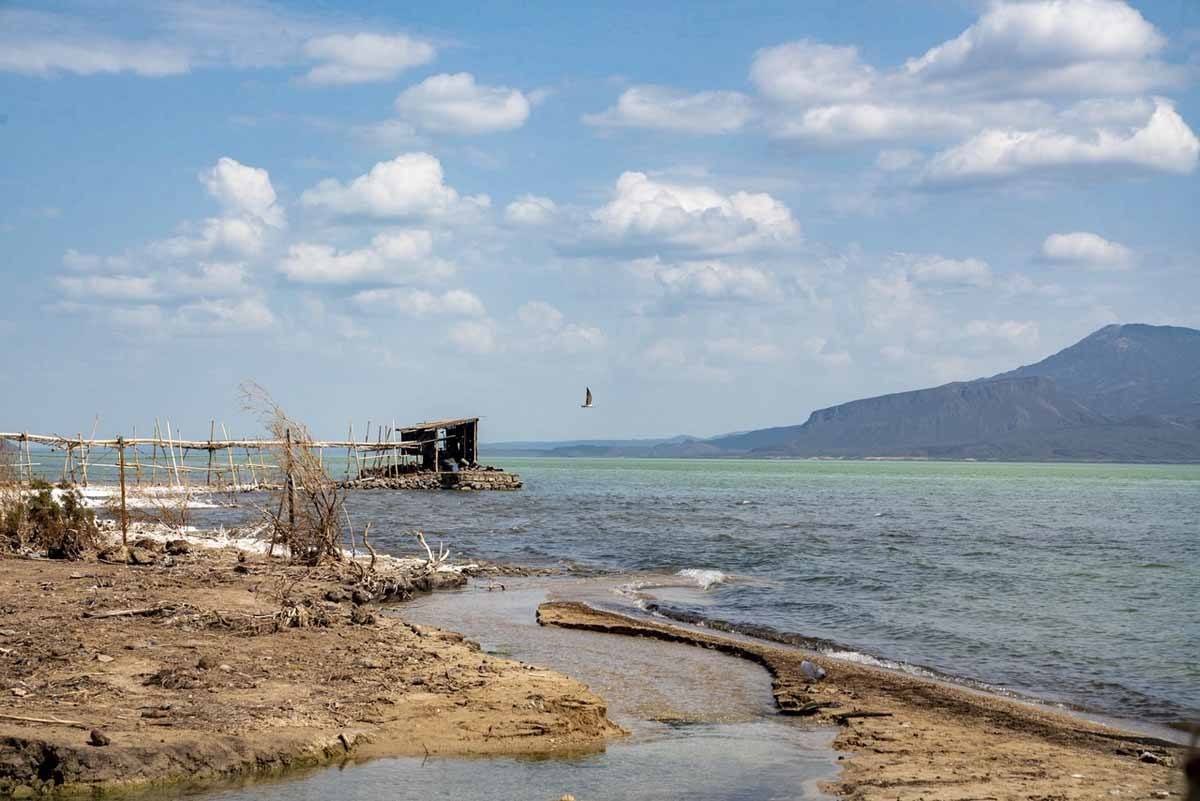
(233,472)
(83,458)
(124,512)
(171,448)
(137,460)
(212,427)
(290,483)
(349,448)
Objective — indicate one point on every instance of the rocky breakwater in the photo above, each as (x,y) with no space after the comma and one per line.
(480,478)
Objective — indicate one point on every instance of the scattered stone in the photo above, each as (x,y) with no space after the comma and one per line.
(1152,758)
(335,596)
(361,596)
(225,668)
(22,791)
(206,662)
(142,556)
(179,547)
(20,692)
(118,554)
(148,544)
(98,738)
(361,617)
(241,567)
(103,658)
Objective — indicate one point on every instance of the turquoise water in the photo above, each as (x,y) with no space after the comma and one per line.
(1072,583)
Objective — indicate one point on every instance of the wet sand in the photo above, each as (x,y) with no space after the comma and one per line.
(912,738)
(121,676)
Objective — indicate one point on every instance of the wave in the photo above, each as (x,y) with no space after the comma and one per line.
(704,578)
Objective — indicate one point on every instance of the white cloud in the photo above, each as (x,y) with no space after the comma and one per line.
(709,280)
(810,72)
(125,288)
(934,269)
(474,336)
(1088,250)
(364,57)
(457,104)
(243,190)
(738,349)
(409,185)
(667,109)
(419,303)
(551,331)
(1164,143)
(393,256)
(540,315)
(225,316)
(1046,34)
(869,122)
(1016,333)
(90,56)
(693,217)
(531,210)
(234,235)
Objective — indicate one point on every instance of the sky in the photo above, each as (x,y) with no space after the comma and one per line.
(718,216)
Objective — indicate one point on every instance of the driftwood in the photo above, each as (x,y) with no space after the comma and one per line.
(51,721)
(140,612)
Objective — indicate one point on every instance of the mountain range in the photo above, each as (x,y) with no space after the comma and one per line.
(1126,393)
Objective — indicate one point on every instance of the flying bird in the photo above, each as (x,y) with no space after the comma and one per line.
(587,399)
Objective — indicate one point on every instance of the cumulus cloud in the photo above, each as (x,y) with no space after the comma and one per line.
(409,185)
(393,256)
(531,210)
(810,72)
(364,57)
(420,303)
(549,329)
(457,104)
(709,280)
(239,236)
(1163,143)
(1088,250)
(667,109)
(243,190)
(693,217)
(934,269)
(474,336)
(225,316)
(1048,36)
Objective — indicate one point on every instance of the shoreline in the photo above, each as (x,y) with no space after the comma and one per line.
(908,737)
(122,677)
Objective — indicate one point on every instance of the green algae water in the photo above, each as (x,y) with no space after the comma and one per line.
(1073,583)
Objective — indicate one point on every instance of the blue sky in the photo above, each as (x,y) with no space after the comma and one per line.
(719,218)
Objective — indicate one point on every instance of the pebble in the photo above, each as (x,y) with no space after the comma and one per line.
(103,658)
(20,693)
(98,738)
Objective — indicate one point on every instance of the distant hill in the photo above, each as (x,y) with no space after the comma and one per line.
(1124,393)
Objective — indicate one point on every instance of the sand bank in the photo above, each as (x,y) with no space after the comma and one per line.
(913,738)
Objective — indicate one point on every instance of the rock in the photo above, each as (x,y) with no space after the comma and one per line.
(241,567)
(103,658)
(567,797)
(335,596)
(19,692)
(142,556)
(179,547)
(1151,758)
(148,544)
(21,791)
(98,738)
(206,662)
(225,668)
(361,596)
(361,617)
(116,553)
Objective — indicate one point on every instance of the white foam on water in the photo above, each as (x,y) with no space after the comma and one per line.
(705,578)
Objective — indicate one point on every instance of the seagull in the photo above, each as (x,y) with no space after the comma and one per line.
(587,400)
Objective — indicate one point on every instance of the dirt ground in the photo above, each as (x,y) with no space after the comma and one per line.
(117,676)
(931,740)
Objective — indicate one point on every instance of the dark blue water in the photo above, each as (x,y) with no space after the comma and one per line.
(1072,583)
